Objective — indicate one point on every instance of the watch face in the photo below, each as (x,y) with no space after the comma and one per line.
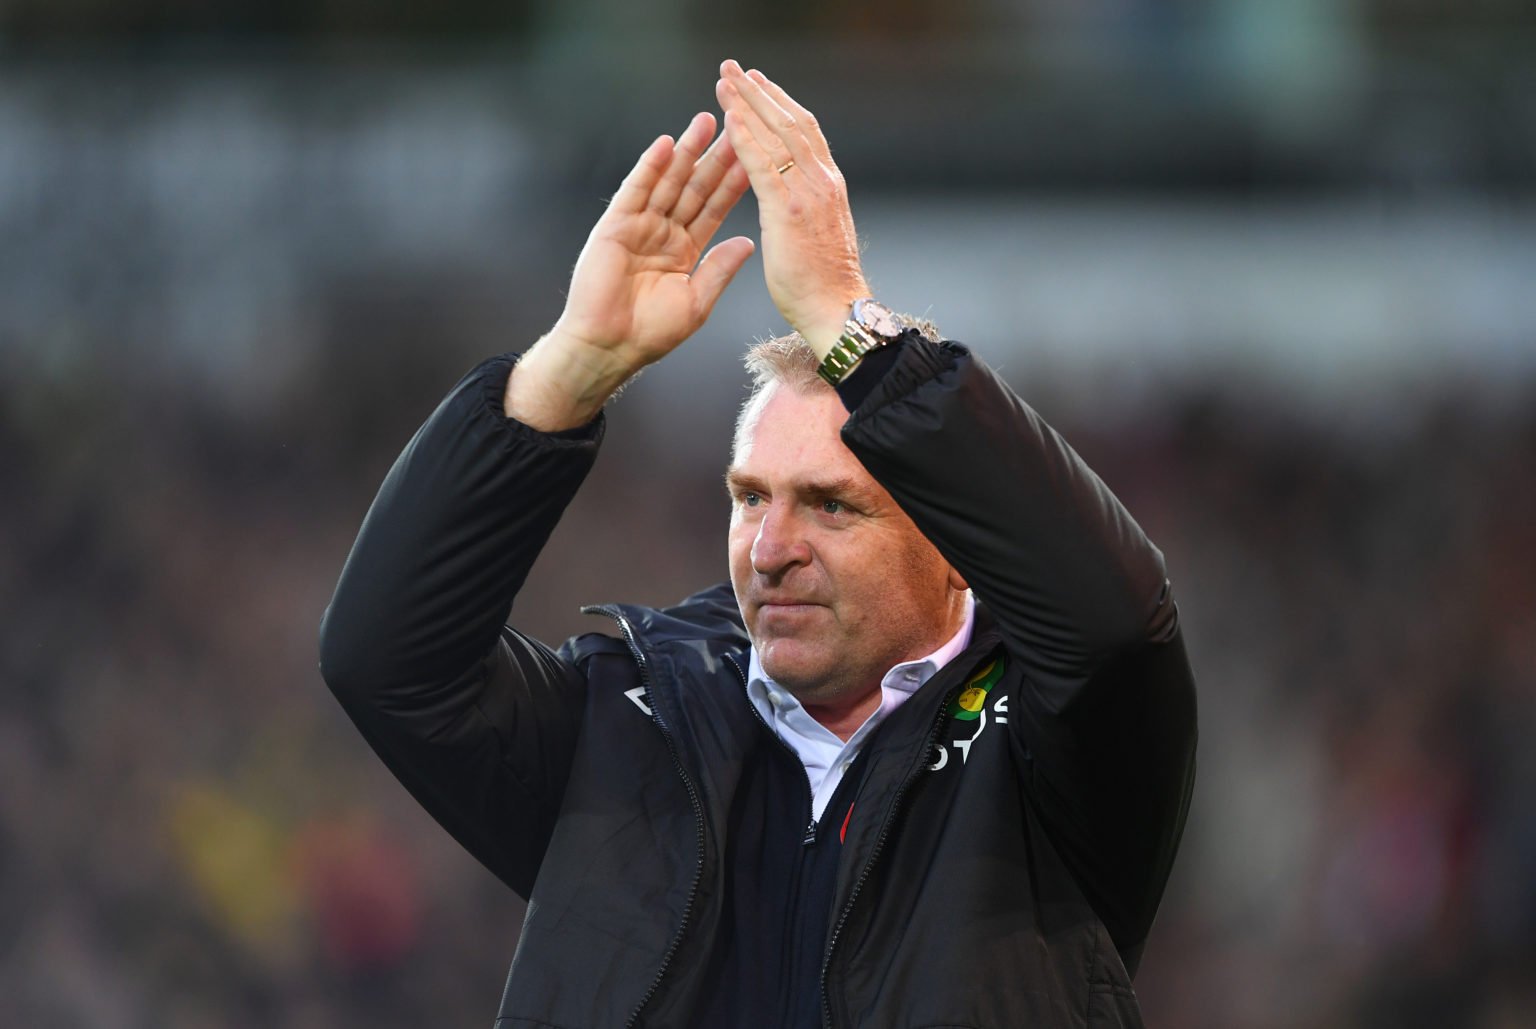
(877,318)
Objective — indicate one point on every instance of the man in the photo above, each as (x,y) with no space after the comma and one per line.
(927,766)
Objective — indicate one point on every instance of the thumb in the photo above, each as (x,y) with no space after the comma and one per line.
(717,270)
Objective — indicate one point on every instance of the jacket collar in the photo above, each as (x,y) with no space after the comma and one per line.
(688,648)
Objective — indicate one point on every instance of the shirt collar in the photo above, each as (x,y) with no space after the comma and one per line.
(778,706)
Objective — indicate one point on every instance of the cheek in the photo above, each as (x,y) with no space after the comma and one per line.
(907,582)
(738,547)
(925,570)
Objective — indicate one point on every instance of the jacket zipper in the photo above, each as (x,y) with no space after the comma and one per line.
(628,632)
(874,855)
(810,829)
(809,839)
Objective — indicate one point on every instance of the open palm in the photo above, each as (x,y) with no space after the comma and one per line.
(640,287)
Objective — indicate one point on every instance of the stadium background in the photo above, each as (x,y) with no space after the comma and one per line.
(1269,265)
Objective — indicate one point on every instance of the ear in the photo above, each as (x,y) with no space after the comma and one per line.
(957,581)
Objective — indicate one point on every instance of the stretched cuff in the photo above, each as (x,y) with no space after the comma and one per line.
(493,374)
(895,370)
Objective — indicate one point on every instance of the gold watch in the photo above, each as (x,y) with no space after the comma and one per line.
(871,326)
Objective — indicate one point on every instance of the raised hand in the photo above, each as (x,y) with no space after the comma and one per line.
(640,287)
(810,249)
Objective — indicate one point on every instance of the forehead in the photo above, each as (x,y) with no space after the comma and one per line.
(790,432)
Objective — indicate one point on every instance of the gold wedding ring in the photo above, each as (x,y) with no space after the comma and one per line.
(786,166)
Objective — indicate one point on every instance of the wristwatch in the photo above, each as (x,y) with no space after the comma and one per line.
(871,326)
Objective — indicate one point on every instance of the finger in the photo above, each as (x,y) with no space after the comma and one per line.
(752,151)
(732,187)
(684,156)
(781,124)
(708,172)
(636,188)
(718,268)
(807,121)
(768,140)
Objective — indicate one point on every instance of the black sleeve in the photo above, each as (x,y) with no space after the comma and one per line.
(476,720)
(1107,720)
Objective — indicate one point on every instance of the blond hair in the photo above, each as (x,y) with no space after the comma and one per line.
(788,360)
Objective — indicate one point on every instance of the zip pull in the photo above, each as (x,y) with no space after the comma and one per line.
(810,834)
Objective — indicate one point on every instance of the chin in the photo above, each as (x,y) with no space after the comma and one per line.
(798,673)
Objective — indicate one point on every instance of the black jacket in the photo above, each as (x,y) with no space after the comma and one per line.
(1001,866)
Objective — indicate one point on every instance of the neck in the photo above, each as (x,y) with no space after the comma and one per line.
(843,718)
(847,711)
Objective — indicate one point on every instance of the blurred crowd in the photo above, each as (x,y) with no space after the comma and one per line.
(245,247)
(1363,612)
(192,835)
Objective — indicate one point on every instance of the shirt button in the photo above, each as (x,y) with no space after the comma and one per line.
(775,698)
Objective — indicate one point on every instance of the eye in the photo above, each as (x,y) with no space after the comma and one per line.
(750,498)
(832,507)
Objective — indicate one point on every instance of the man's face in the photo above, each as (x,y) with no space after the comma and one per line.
(835,582)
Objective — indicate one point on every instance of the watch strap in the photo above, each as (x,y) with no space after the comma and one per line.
(851,346)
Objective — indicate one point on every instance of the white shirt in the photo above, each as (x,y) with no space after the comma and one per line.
(825,756)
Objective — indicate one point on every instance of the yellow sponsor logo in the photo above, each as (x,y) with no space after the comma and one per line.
(972,699)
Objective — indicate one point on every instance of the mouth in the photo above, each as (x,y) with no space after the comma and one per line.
(765,603)
(783,613)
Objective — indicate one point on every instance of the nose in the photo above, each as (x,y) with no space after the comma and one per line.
(780,543)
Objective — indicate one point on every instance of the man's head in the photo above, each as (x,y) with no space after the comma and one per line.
(835,582)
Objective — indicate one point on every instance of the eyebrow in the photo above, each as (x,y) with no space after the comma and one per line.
(737,480)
